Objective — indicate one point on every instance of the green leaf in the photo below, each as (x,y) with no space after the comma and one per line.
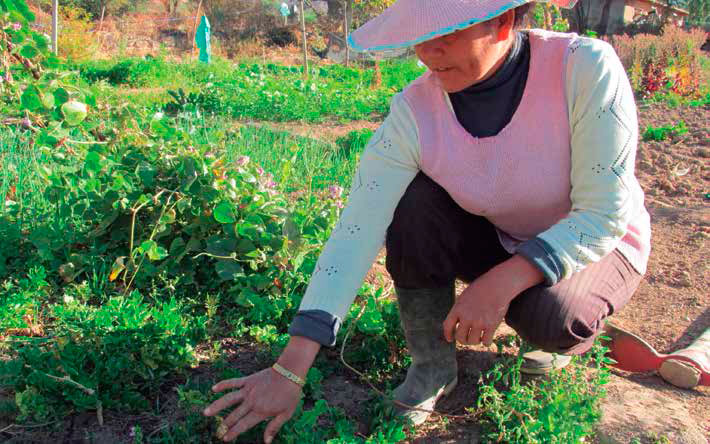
(221,247)
(48,100)
(153,251)
(30,99)
(18,37)
(224,213)
(228,270)
(93,162)
(146,172)
(61,96)
(177,246)
(245,246)
(29,51)
(157,254)
(22,7)
(41,41)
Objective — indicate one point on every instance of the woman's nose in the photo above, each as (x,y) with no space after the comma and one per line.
(430,48)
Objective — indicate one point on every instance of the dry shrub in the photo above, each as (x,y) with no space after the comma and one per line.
(76,38)
(670,61)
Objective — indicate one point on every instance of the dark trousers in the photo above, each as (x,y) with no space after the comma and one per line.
(432,241)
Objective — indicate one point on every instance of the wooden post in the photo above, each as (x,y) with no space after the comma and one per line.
(194,28)
(346,29)
(55,26)
(101,23)
(305,42)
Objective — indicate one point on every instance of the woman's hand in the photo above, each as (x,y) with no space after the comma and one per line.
(266,394)
(483,304)
(258,397)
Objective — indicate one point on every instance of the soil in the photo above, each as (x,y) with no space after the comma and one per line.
(669,310)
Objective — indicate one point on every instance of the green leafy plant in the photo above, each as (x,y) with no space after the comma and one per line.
(664,132)
(561,408)
(110,357)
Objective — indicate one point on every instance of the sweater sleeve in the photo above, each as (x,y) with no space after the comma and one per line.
(604,137)
(387,166)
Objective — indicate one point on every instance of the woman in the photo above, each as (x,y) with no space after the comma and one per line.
(508,164)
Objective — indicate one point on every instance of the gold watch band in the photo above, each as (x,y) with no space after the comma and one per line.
(288,375)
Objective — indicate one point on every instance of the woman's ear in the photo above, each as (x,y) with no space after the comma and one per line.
(506,23)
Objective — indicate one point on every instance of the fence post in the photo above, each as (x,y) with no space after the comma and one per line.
(347,31)
(305,43)
(194,29)
(55,25)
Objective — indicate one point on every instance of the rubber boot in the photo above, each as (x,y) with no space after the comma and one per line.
(433,372)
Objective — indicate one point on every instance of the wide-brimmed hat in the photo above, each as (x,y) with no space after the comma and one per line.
(410,22)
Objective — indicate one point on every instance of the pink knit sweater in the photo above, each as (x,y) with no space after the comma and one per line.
(521,178)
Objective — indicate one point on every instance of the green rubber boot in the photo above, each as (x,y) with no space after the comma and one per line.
(433,372)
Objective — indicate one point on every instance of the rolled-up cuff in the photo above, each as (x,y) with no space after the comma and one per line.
(317,325)
(543,256)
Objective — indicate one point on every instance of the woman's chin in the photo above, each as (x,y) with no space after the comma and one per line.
(449,83)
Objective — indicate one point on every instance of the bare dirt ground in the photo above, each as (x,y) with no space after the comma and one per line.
(670,309)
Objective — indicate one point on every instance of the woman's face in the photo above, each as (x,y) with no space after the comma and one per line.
(469,56)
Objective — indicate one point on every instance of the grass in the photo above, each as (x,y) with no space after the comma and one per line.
(251,91)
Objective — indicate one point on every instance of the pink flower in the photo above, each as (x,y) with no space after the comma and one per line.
(335,191)
(340,204)
(16,26)
(271,184)
(243,160)
(260,171)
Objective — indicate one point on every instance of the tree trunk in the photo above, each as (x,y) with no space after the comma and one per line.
(603,27)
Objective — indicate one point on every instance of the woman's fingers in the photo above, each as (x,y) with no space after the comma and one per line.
(243,410)
(488,334)
(450,325)
(229,384)
(274,426)
(224,402)
(462,332)
(243,425)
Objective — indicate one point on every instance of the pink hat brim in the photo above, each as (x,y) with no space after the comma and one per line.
(409,22)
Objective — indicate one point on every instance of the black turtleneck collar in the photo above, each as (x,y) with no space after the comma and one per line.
(485,108)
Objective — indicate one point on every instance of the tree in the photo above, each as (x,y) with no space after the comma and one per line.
(94,7)
(364,10)
(170,6)
(579,16)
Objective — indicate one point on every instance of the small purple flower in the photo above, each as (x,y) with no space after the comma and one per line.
(16,26)
(335,191)
(133,432)
(243,160)
(271,184)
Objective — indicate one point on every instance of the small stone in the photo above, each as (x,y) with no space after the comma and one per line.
(685,279)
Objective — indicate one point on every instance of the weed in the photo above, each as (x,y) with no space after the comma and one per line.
(664,132)
(559,409)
